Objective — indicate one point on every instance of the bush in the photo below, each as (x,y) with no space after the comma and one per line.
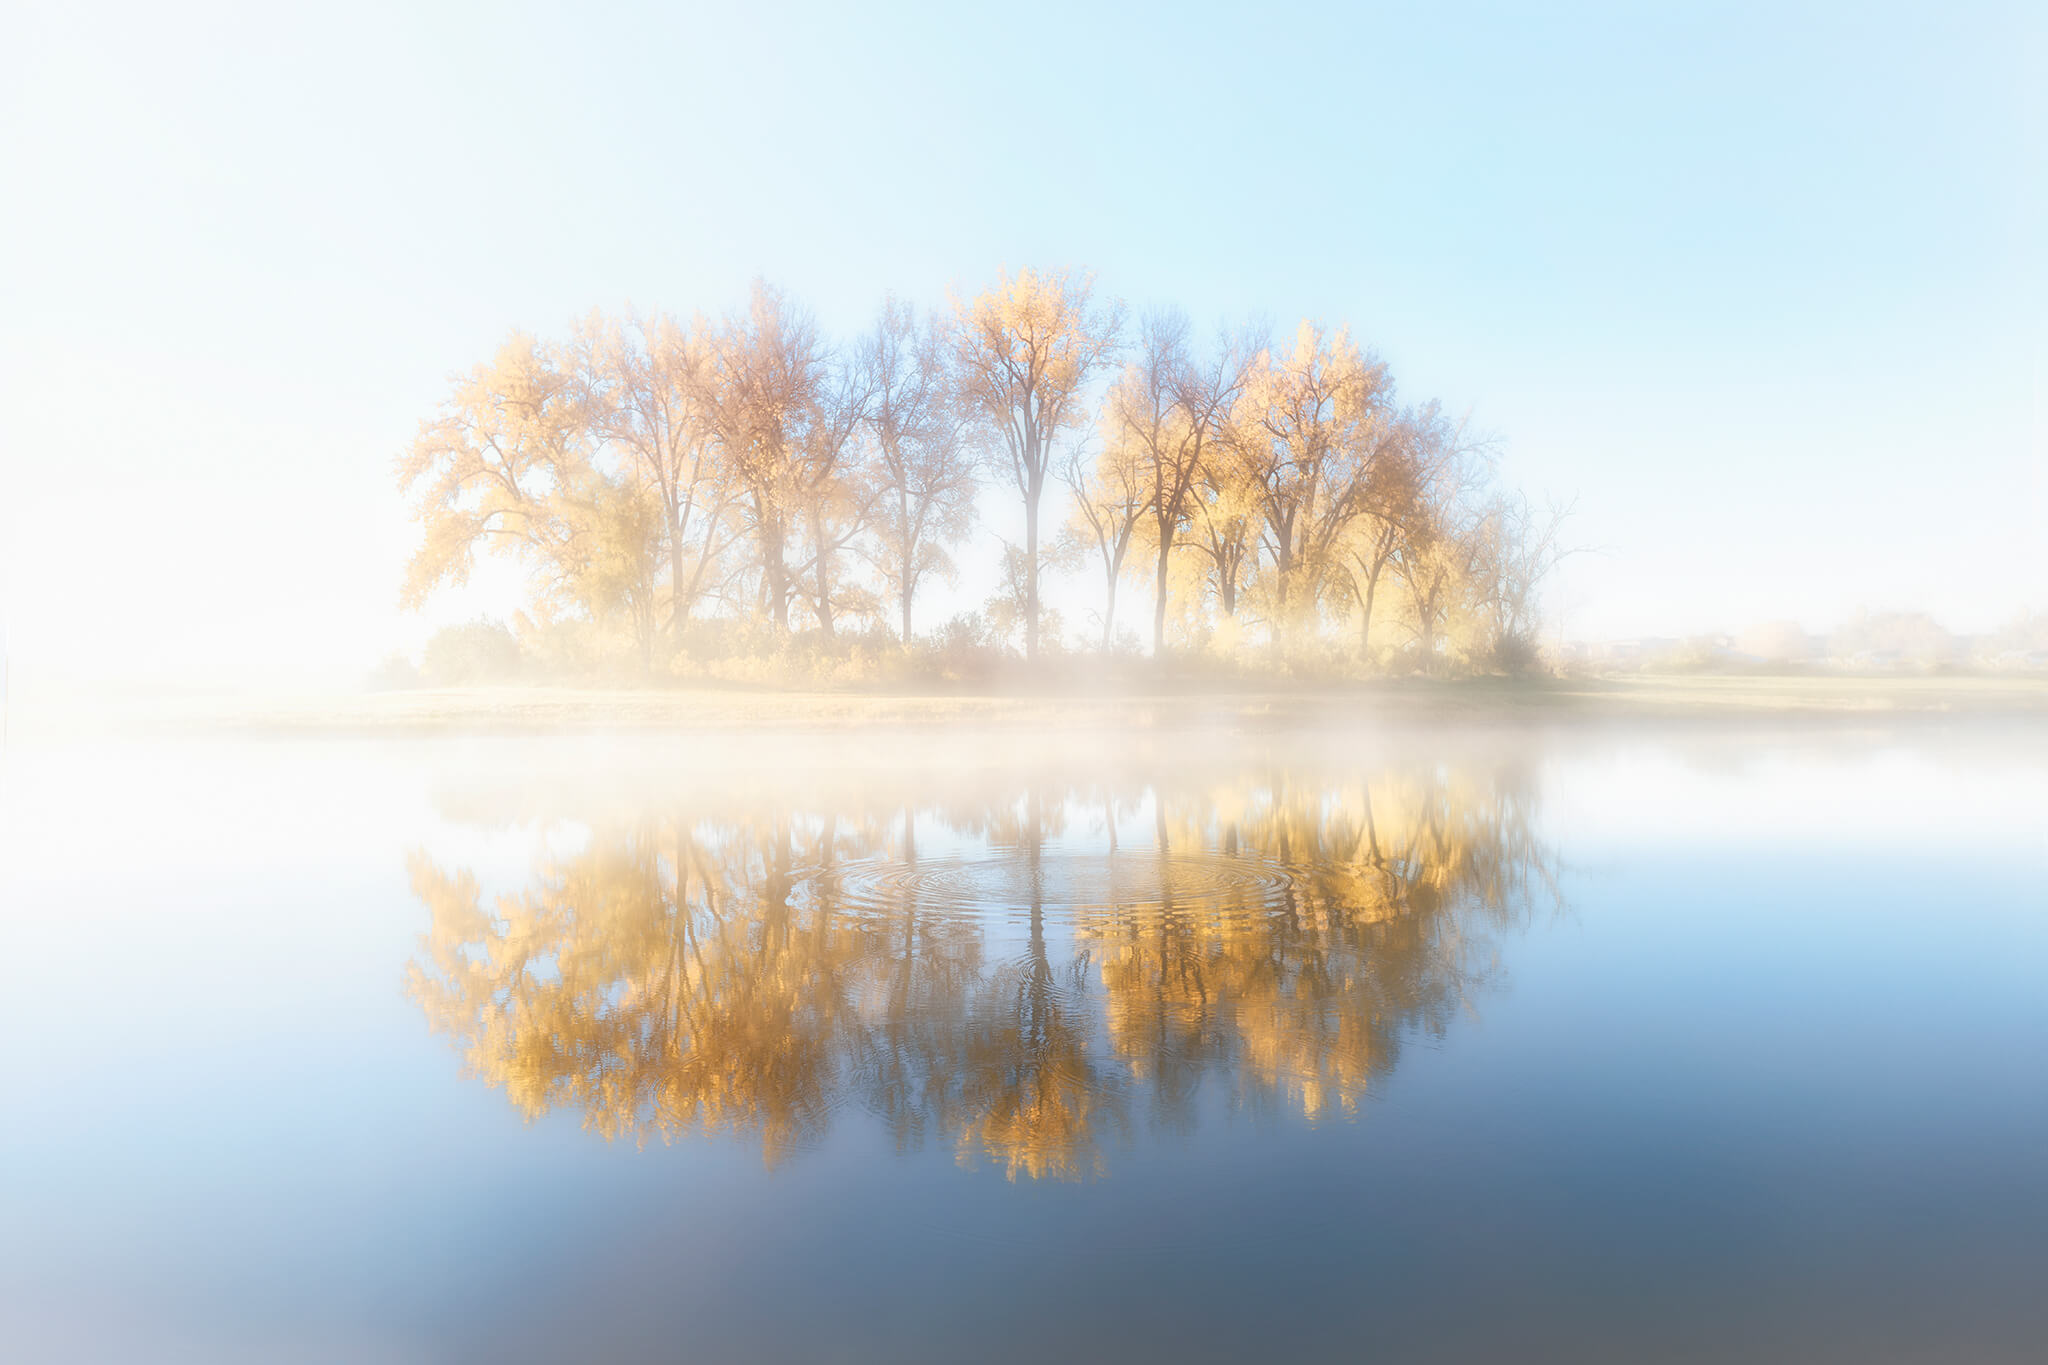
(752,653)
(1515,655)
(480,652)
(965,649)
(395,674)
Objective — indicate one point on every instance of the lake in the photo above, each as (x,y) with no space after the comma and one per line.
(1623,1044)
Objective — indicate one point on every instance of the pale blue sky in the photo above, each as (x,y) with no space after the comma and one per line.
(1762,287)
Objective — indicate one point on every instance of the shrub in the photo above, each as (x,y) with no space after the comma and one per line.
(395,674)
(479,652)
(1515,655)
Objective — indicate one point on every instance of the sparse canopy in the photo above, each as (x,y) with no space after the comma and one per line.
(924,475)
(747,481)
(1305,439)
(648,384)
(1027,349)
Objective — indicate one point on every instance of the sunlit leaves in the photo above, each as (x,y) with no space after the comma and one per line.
(1026,349)
(651,473)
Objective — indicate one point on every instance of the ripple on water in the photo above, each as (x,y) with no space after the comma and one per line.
(1063,884)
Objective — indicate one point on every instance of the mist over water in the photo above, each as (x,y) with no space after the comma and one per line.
(823,684)
(1422,1046)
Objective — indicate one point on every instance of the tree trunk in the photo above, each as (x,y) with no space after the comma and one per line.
(1425,630)
(1372,586)
(1031,573)
(824,595)
(775,574)
(907,552)
(675,583)
(1159,599)
(1281,573)
(1109,613)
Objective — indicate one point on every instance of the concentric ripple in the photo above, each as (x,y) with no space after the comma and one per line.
(1065,884)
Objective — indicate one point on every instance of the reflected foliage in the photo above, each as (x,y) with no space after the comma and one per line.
(1027,973)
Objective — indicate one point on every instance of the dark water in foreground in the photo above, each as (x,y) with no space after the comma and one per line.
(1625,1048)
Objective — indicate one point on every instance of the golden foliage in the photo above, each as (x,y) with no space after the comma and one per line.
(655,476)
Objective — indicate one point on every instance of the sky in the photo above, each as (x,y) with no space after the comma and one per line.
(1761,291)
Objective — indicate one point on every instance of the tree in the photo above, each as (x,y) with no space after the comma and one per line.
(648,382)
(1307,435)
(1026,350)
(1166,411)
(613,556)
(1109,502)
(924,475)
(837,490)
(492,468)
(1226,527)
(1370,542)
(1515,546)
(510,464)
(650,473)
(1393,508)
(1890,638)
(1008,606)
(784,416)
(1435,556)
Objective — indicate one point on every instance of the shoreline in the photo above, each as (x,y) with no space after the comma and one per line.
(1475,703)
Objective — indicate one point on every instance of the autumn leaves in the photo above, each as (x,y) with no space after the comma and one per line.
(742,480)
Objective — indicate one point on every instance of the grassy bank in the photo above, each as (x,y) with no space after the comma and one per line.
(1810,700)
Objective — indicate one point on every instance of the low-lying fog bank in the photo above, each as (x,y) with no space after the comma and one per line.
(1481,702)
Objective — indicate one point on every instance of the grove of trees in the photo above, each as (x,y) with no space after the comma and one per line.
(685,492)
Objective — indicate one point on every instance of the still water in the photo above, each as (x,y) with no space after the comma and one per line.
(1629,1047)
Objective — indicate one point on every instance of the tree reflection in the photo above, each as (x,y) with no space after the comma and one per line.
(748,965)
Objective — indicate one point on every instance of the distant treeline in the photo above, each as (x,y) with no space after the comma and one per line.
(1869,642)
(726,496)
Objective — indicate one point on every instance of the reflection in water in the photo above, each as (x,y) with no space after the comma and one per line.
(1043,985)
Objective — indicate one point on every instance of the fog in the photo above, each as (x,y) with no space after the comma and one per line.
(1771,327)
(804,684)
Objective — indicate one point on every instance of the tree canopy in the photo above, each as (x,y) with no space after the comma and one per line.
(684,490)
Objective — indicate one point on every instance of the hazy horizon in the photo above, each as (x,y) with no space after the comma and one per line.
(1762,296)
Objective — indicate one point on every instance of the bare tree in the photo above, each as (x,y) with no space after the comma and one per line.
(1306,437)
(1006,606)
(1027,349)
(500,468)
(837,490)
(1168,411)
(648,380)
(1395,506)
(1435,556)
(648,471)
(1109,502)
(1225,527)
(923,470)
(1515,546)
(784,414)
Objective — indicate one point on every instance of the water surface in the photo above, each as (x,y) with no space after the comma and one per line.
(1589,1047)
